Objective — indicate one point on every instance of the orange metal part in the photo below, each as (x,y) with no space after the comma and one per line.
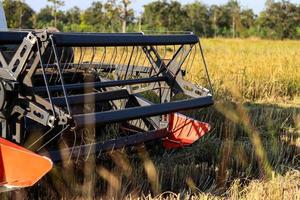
(20,167)
(184,131)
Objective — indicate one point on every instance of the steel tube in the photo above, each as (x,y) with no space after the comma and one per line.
(91,97)
(90,149)
(82,39)
(141,112)
(79,86)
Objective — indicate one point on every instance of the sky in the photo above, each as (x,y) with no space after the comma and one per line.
(137,5)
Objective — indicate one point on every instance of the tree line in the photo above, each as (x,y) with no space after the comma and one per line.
(279,20)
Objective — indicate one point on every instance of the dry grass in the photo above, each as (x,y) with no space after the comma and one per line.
(285,187)
(260,70)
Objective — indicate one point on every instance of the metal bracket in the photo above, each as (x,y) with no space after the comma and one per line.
(17,64)
(31,110)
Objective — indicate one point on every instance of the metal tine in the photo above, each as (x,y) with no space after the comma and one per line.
(205,67)
(45,78)
(120,62)
(141,53)
(94,51)
(96,63)
(78,62)
(134,62)
(130,65)
(49,63)
(84,59)
(70,58)
(129,61)
(188,70)
(187,61)
(91,59)
(41,137)
(68,63)
(60,74)
(103,57)
(111,64)
(52,138)
(123,62)
(194,60)
(115,57)
(62,64)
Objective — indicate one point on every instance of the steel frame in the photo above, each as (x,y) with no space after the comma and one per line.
(21,100)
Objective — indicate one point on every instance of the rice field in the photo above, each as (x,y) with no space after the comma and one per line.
(252,152)
(255,70)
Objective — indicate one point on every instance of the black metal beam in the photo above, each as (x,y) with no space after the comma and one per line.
(91,97)
(12,37)
(16,37)
(91,149)
(103,39)
(140,112)
(80,86)
(83,39)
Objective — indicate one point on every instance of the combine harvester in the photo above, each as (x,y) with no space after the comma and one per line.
(69,95)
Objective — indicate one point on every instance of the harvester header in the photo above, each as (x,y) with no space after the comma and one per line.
(70,95)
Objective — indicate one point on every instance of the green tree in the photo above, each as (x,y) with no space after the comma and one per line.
(73,20)
(73,15)
(220,17)
(231,20)
(248,19)
(280,20)
(118,15)
(151,17)
(93,18)
(18,14)
(112,16)
(198,19)
(164,16)
(234,9)
(46,19)
(125,14)
(55,6)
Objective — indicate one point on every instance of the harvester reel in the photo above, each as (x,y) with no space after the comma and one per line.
(92,92)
